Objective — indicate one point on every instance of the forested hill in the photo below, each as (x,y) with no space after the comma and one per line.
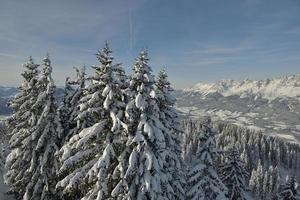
(268,159)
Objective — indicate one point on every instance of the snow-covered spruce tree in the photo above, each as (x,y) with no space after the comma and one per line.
(143,165)
(203,180)
(91,104)
(19,130)
(45,138)
(253,182)
(267,185)
(105,171)
(65,107)
(260,179)
(245,159)
(275,180)
(41,146)
(170,119)
(256,181)
(89,159)
(288,191)
(233,175)
(69,110)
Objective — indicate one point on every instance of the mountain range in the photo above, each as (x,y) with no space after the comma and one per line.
(271,106)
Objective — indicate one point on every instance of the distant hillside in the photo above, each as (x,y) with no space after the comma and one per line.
(5,94)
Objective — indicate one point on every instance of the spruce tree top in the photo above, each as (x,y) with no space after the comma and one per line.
(142,73)
(30,72)
(164,87)
(207,149)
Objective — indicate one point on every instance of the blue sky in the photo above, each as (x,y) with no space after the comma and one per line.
(195,41)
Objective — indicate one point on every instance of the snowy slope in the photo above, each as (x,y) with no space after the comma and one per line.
(271,106)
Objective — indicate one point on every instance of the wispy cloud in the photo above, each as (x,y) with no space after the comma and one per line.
(6,55)
(131,30)
(217,50)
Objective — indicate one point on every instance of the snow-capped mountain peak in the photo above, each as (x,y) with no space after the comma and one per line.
(287,86)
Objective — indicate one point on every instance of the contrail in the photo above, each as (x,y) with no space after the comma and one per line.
(131,37)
